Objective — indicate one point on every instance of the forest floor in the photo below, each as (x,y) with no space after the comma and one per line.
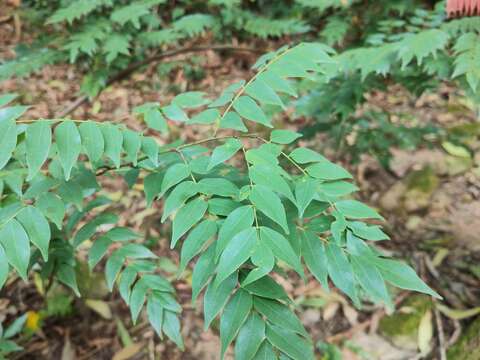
(430,197)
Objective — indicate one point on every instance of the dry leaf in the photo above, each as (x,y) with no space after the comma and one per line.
(128,352)
(425,333)
(100,307)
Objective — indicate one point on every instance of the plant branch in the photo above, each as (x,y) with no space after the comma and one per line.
(104,169)
(157,57)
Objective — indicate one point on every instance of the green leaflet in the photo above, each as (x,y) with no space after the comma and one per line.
(313,252)
(263,259)
(218,186)
(16,245)
(205,117)
(305,191)
(112,268)
(191,99)
(289,342)
(233,317)
(121,234)
(281,248)
(173,176)
(150,148)
(66,275)
(175,113)
(155,313)
(402,276)
(279,314)
(231,120)
(68,142)
(186,217)
(224,152)
(52,207)
(36,227)
(266,287)
(92,140)
(247,108)
(202,271)
(268,203)
(38,138)
(370,279)
(237,251)
(326,170)
(156,121)
(250,337)
(277,83)
(98,250)
(152,185)
(284,136)
(354,209)
(304,156)
(340,271)
(8,132)
(222,207)
(113,142)
(132,143)
(195,241)
(179,195)
(216,297)
(7,98)
(137,299)
(336,188)
(239,219)
(3,266)
(259,90)
(267,175)
(171,328)
(372,232)
(265,352)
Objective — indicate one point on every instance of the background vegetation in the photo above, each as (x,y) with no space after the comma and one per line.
(389,89)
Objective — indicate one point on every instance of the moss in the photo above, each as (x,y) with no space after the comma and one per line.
(468,346)
(402,327)
(423,180)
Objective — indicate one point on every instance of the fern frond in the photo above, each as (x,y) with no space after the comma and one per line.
(264,27)
(193,25)
(467,61)
(76,10)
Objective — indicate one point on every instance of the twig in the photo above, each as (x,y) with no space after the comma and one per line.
(441,335)
(456,334)
(104,169)
(136,65)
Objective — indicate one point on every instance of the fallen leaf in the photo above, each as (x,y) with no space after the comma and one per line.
(425,333)
(456,314)
(100,307)
(128,352)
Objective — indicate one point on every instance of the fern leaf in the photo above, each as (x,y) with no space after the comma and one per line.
(193,25)
(467,50)
(421,45)
(76,10)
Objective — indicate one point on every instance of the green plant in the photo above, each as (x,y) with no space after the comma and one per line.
(8,346)
(249,209)
(418,52)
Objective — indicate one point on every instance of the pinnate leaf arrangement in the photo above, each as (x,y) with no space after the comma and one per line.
(243,209)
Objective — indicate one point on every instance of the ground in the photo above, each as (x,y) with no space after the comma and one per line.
(430,197)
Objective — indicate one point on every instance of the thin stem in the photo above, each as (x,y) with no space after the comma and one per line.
(251,187)
(186,164)
(104,169)
(294,163)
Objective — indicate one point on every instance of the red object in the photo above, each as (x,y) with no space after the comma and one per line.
(463,8)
